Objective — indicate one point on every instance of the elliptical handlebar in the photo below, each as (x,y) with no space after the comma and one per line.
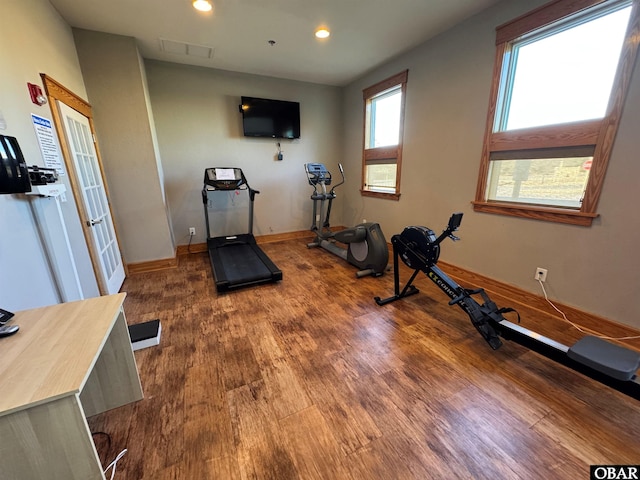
(343,179)
(342,174)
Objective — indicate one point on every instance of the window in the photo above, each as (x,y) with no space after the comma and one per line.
(558,90)
(383,126)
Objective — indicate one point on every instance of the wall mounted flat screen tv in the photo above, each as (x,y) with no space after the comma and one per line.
(262,117)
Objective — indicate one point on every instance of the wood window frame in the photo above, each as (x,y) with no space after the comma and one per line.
(393,152)
(599,134)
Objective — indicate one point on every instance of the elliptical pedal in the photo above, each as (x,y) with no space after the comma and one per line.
(606,357)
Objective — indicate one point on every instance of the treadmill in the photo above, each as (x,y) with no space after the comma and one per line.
(236,260)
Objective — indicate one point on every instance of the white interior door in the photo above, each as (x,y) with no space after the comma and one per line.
(96,206)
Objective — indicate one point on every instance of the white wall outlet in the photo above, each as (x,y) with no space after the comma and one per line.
(541,274)
(192,231)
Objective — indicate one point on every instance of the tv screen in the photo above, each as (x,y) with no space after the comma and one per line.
(14,175)
(262,117)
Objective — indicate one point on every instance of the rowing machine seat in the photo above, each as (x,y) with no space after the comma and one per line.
(608,358)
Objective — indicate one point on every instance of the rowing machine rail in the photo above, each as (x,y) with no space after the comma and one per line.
(419,249)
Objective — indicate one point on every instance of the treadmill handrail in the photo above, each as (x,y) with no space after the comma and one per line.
(226,184)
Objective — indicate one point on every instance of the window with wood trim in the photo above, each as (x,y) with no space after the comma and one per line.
(560,80)
(383,129)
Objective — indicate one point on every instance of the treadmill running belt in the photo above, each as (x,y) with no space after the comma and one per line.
(242,265)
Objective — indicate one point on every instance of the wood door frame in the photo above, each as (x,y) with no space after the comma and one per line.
(56,91)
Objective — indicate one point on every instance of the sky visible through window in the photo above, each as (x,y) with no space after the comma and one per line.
(567,76)
(387,120)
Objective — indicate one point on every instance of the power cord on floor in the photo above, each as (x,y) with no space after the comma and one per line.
(105,435)
(114,464)
(189,244)
(576,326)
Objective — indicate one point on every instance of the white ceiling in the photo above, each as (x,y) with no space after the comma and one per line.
(364,33)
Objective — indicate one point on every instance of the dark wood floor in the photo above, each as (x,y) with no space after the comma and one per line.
(310,379)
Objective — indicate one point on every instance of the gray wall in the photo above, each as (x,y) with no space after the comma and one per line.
(594,269)
(26,281)
(199,126)
(116,85)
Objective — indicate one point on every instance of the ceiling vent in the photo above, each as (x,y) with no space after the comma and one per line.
(183,48)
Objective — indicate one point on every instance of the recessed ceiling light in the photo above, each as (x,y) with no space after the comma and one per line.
(322,32)
(202,5)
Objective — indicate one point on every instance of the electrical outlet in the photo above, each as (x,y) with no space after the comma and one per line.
(192,231)
(541,274)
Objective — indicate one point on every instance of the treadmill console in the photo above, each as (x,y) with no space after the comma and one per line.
(224,179)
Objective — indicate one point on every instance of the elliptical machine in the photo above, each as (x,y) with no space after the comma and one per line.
(366,247)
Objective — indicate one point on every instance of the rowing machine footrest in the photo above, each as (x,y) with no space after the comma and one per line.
(608,358)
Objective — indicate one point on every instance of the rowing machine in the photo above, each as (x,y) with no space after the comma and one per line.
(603,361)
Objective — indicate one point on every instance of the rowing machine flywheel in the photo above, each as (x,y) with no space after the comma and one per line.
(416,247)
